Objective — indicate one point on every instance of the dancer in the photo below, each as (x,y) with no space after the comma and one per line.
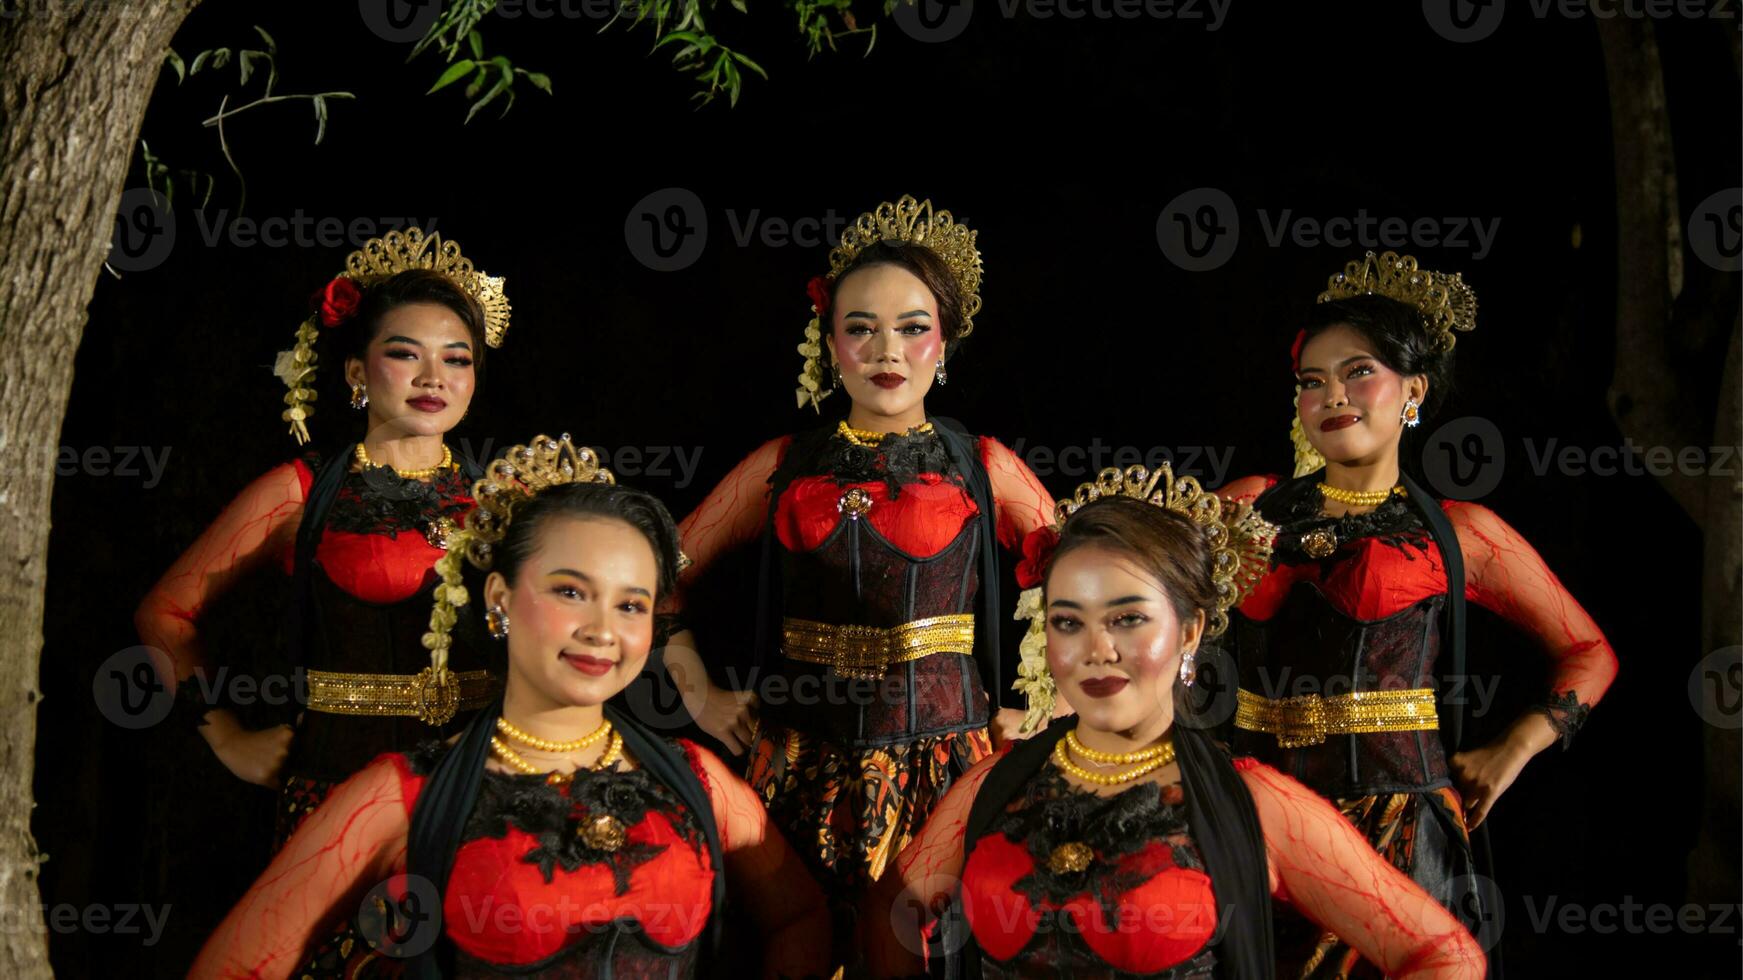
(1125,841)
(555,836)
(1358,607)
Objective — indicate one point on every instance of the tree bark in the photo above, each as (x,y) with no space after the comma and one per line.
(75,77)
(1651,406)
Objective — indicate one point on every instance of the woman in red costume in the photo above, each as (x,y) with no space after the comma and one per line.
(877,631)
(554,837)
(358,530)
(1125,841)
(1358,607)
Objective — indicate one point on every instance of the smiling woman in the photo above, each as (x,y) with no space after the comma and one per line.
(596,847)
(358,529)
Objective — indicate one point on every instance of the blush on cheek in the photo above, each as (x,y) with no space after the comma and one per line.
(926,347)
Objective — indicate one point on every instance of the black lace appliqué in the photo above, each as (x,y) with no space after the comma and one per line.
(1394,522)
(378,501)
(556,819)
(899,459)
(1052,812)
(1566,714)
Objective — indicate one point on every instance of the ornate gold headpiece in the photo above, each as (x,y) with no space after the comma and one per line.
(379,258)
(1240,546)
(1445,301)
(910,221)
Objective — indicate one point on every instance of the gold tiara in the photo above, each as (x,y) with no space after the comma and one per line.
(509,482)
(1445,301)
(1240,544)
(912,222)
(378,259)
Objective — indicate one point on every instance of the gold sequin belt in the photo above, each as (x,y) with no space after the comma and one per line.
(867,651)
(425,696)
(1309,718)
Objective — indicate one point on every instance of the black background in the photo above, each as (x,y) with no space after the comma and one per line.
(1061,142)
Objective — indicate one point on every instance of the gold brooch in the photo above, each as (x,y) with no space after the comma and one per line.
(440,531)
(854,503)
(603,833)
(1319,543)
(1070,858)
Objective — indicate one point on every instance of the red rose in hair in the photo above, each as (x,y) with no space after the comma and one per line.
(818,290)
(1038,548)
(1295,349)
(338,300)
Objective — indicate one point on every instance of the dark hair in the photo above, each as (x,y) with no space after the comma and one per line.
(1165,544)
(352,338)
(637,508)
(1401,338)
(929,268)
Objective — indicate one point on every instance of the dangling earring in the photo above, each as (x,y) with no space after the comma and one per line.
(1412,414)
(359,397)
(496,621)
(939,375)
(1189,667)
(835,373)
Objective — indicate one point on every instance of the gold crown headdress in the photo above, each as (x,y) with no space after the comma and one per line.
(508,483)
(910,221)
(378,259)
(1240,546)
(1446,302)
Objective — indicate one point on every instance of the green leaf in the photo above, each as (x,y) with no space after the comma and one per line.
(476,85)
(753,66)
(495,90)
(539,81)
(175,61)
(475,41)
(455,72)
(199,62)
(220,57)
(246,64)
(271,45)
(320,118)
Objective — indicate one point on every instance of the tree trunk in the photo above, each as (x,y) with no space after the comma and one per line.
(75,77)
(1649,404)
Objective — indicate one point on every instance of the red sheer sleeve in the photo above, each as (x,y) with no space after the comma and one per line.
(350,844)
(257,526)
(1505,575)
(1023,504)
(766,873)
(733,512)
(1246,489)
(921,883)
(1327,871)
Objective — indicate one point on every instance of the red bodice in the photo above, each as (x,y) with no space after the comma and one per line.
(923,520)
(378,558)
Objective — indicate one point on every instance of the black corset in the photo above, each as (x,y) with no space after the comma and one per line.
(1312,647)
